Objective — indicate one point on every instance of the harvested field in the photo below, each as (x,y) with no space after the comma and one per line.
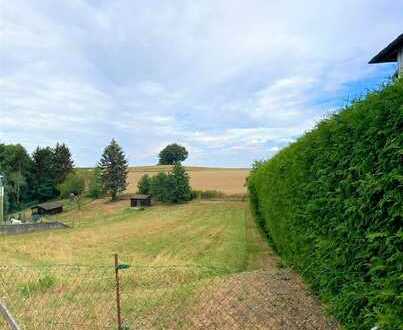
(227,180)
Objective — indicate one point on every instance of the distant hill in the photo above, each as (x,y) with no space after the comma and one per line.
(230,181)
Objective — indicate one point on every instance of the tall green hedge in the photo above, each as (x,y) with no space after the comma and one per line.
(331,204)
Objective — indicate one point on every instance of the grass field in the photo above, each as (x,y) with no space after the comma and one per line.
(198,265)
(210,234)
(163,244)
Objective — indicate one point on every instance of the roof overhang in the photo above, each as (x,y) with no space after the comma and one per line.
(140,196)
(390,52)
(48,206)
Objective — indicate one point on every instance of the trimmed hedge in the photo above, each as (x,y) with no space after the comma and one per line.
(331,204)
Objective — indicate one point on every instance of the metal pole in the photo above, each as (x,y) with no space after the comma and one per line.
(1,202)
(8,317)
(118,292)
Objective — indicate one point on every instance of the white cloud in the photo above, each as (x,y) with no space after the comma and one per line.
(232,80)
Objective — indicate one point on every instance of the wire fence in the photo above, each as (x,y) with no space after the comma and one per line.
(122,296)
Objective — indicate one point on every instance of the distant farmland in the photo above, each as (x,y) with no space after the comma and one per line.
(230,181)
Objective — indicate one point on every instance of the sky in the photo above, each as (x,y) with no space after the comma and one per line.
(232,81)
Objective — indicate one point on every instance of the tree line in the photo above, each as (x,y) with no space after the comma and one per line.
(111,173)
(33,177)
(173,187)
(49,173)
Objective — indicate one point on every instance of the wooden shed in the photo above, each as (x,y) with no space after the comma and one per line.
(48,208)
(140,200)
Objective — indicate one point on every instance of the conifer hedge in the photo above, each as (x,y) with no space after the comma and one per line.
(331,204)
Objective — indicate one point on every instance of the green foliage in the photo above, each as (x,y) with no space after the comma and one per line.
(29,179)
(62,162)
(95,189)
(172,154)
(171,188)
(331,204)
(161,185)
(181,191)
(40,286)
(16,166)
(113,169)
(73,184)
(44,173)
(207,194)
(144,185)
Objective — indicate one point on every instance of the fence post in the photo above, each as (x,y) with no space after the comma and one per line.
(119,316)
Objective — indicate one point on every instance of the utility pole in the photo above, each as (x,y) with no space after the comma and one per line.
(1,199)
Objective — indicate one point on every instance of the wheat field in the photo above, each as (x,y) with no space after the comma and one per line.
(230,181)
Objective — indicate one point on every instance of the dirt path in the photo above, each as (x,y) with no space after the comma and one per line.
(260,300)
(265,297)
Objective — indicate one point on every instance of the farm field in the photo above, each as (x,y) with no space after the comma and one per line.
(181,258)
(230,181)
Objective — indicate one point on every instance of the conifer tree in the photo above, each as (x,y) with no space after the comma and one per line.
(62,162)
(181,191)
(113,168)
(44,173)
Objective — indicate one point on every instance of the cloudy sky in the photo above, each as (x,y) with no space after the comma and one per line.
(231,80)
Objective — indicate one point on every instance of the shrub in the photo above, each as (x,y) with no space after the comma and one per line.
(73,184)
(173,187)
(160,187)
(95,184)
(207,194)
(144,185)
(331,203)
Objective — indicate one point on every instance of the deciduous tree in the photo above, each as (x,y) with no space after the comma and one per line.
(172,154)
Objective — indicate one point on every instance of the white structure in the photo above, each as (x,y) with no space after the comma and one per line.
(1,199)
(392,53)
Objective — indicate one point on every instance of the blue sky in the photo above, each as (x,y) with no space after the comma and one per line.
(231,80)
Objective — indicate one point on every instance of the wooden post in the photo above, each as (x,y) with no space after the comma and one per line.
(8,317)
(119,317)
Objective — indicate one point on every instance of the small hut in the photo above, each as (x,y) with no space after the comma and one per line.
(391,53)
(49,208)
(140,200)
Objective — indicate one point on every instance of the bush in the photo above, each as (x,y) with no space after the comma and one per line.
(207,194)
(73,184)
(160,187)
(171,188)
(144,185)
(331,204)
(95,184)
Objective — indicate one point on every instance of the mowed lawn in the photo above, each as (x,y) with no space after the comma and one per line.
(179,256)
(197,233)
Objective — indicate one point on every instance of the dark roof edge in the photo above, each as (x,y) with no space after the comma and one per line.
(140,196)
(49,205)
(388,54)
